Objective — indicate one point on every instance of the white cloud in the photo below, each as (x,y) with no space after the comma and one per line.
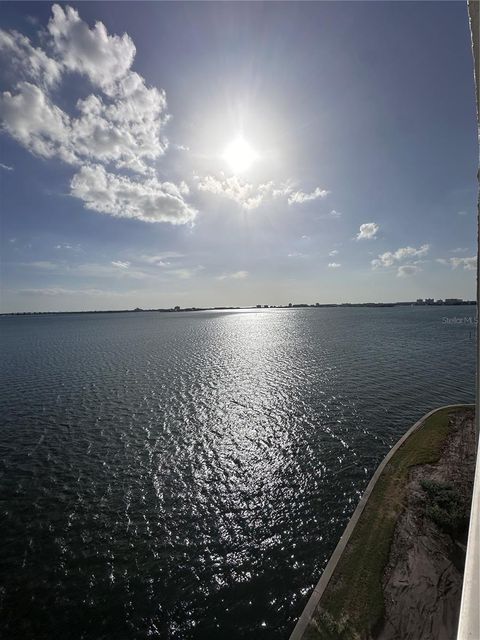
(245,194)
(469,264)
(299,197)
(368,231)
(28,62)
(236,275)
(121,125)
(120,264)
(459,250)
(6,167)
(333,252)
(335,214)
(389,258)
(334,265)
(126,132)
(148,200)
(296,254)
(251,196)
(35,122)
(99,270)
(161,260)
(92,52)
(462,213)
(406,270)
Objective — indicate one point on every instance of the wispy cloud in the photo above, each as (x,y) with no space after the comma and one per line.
(114,269)
(62,291)
(368,231)
(185,273)
(236,275)
(334,265)
(6,167)
(245,194)
(250,196)
(299,197)
(160,260)
(333,252)
(335,214)
(469,264)
(389,258)
(40,264)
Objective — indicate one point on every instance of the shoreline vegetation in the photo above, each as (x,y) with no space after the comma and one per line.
(406,550)
(449,302)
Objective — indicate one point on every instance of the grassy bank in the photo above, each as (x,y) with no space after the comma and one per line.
(352,604)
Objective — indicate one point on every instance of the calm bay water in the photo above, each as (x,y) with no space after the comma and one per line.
(186,476)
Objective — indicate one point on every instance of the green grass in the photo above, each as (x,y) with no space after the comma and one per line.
(352,604)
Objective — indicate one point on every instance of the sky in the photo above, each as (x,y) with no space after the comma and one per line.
(237,153)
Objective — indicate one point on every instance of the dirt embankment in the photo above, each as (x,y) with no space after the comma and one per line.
(422,582)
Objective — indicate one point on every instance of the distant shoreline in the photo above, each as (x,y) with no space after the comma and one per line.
(439,303)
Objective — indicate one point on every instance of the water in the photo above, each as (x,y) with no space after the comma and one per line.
(186,476)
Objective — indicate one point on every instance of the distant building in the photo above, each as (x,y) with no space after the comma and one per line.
(429,301)
(177,308)
(420,301)
(453,301)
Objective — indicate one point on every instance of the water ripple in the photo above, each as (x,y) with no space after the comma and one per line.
(186,476)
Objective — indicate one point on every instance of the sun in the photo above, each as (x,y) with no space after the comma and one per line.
(239,155)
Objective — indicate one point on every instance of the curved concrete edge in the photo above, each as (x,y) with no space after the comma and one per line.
(307,613)
(469,620)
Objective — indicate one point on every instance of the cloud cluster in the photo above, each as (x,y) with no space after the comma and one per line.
(118,127)
(250,196)
(299,197)
(389,258)
(393,258)
(147,199)
(469,264)
(367,231)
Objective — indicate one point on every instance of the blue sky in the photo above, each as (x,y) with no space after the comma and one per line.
(155,154)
